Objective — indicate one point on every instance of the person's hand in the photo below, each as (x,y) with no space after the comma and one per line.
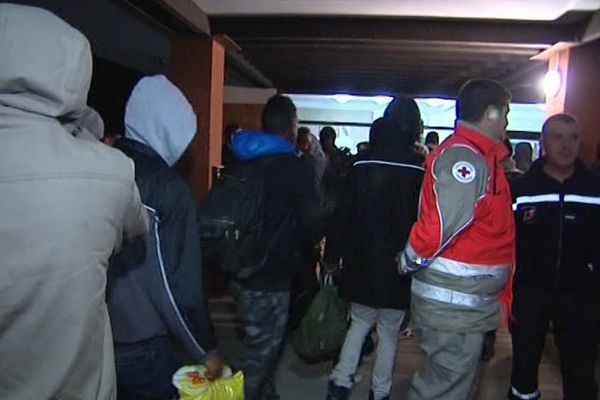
(403,268)
(421,149)
(214,366)
(401,263)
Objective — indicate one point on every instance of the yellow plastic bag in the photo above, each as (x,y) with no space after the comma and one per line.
(192,384)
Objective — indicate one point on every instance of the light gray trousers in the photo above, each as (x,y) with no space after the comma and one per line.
(451,368)
(388,322)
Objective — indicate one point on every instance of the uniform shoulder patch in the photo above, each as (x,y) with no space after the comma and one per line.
(464,172)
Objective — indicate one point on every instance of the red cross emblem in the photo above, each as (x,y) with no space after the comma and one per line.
(463,172)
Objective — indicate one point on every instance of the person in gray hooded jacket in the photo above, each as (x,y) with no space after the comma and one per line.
(65,206)
(154,291)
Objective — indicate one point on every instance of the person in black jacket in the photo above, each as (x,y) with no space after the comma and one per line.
(154,292)
(305,284)
(558,262)
(377,213)
(293,217)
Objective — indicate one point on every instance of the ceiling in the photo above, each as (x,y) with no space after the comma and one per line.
(542,10)
(415,47)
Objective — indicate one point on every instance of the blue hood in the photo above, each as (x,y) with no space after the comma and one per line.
(250,145)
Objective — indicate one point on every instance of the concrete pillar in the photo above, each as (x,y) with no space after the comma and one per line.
(198,69)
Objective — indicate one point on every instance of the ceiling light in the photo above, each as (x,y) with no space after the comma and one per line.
(434,103)
(342,98)
(381,100)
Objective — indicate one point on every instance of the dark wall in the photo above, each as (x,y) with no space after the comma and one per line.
(111,86)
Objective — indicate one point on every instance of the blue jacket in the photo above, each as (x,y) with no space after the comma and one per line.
(249,145)
(289,189)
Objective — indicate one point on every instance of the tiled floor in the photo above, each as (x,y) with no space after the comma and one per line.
(297,380)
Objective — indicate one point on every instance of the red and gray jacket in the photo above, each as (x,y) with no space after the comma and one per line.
(461,249)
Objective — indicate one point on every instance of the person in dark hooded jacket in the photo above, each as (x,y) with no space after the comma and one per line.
(294,212)
(378,210)
(154,293)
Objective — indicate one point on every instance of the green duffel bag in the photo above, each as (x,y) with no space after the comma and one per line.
(323,329)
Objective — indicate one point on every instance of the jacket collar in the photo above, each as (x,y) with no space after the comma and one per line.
(135,146)
(488,147)
(537,168)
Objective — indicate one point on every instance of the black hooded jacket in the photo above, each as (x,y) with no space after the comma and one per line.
(377,212)
(155,285)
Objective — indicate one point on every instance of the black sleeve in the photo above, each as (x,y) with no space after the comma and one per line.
(408,207)
(307,204)
(182,302)
(338,223)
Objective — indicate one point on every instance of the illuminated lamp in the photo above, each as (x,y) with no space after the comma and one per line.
(551,83)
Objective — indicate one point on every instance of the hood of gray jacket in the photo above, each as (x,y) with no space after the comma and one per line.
(46,64)
(159,116)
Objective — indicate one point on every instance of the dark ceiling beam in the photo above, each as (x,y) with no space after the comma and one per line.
(380,73)
(405,46)
(238,68)
(359,54)
(462,75)
(189,13)
(338,61)
(339,82)
(458,31)
(516,78)
(374,56)
(189,17)
(370,53)
(244,68)
(377,73)
(358,71)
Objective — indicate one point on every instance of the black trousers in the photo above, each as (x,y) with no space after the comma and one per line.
(145,370)
(574,320)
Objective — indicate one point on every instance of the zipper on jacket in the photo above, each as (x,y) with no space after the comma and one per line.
(561,212)
(494,177)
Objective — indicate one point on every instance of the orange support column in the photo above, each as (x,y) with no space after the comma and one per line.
(583,95)
(198,69)
(579,94)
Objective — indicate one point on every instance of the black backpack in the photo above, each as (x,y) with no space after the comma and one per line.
(233,220)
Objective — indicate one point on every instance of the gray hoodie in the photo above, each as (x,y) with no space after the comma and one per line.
(158,292)
(65,206)
(158,115)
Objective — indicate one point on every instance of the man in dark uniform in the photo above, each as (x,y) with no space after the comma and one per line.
(557,216)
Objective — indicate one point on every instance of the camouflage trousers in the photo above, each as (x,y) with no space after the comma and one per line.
(264,316)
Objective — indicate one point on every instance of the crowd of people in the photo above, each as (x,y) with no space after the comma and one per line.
(101,278)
